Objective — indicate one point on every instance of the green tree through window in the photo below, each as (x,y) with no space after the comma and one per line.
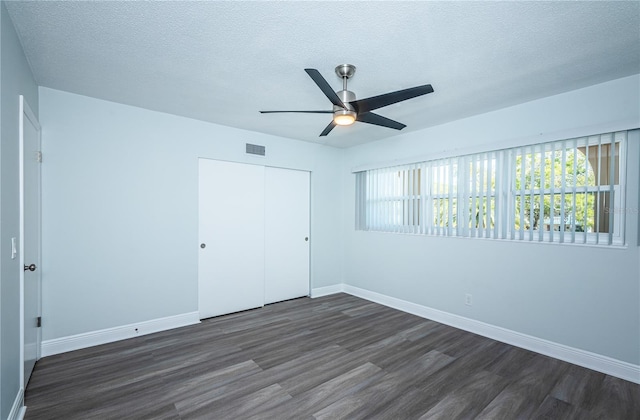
(542,176)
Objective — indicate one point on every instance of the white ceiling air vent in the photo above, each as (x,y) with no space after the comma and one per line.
(255,149)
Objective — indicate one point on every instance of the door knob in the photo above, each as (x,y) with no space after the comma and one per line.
(31,267)
(306,238)
(203,246)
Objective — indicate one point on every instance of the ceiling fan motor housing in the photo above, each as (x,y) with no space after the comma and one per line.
(345,116)
(345,96)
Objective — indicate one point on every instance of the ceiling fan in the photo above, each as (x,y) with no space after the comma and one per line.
(347,110)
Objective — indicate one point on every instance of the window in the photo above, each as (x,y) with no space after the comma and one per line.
(390,199)
(565,191)
(570,187)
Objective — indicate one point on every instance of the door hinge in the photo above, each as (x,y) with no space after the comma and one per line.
(39,156)
(39,322)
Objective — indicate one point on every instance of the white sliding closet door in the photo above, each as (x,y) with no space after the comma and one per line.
(231,234)
(286,234)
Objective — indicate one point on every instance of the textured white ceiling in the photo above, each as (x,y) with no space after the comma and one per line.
(224,61)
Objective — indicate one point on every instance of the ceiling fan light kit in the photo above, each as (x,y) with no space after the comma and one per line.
(347,110)
(344,117)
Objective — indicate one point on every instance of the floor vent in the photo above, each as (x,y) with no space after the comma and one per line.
(255,149)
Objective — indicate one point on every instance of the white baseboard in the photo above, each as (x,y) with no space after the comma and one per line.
(594,361)
(18,408)
(109,335)
(326,290)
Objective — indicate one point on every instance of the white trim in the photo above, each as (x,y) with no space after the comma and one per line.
(326,290)
(18,408)
(26,112)
(109,335)
(597,362)
(600,363)
(23,106)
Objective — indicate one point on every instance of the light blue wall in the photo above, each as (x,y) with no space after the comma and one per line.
(15,80)
(120,209)
(120,221)
(583,297)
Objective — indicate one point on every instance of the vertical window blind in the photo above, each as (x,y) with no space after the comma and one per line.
(565,191)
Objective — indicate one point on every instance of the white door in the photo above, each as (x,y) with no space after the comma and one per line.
(286,234)
(231,236)
(30,158)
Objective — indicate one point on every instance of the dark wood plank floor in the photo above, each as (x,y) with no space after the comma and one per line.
(328,358)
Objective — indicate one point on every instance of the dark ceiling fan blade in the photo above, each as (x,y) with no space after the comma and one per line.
(304,112)
(325,87)
(371,118)
(328,129)
(375,102)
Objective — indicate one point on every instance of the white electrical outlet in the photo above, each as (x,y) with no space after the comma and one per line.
(468,299)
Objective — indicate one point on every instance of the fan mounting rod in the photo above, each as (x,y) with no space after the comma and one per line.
(345,72)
